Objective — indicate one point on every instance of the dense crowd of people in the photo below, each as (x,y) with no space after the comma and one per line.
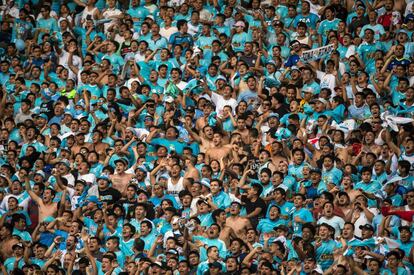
(207,137)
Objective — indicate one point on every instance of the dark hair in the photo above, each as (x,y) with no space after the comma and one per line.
(181,23)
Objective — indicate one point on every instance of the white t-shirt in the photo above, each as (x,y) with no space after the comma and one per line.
(64,61)
(362,220)
(220,102)
(168,32)
(327,80)
(336,222)
(90,178)
(109,13)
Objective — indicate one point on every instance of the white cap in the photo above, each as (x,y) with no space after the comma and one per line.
(169,99)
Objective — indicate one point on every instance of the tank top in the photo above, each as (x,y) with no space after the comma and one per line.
(378,140)
(304,40)
(174,189)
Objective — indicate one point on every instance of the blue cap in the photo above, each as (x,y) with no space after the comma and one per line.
(205,182)
(142,168)
(271,61)
(44,116)
(123,160)
(93,199)
(409,17)
(220,77)
(273,115)
(65,162)
(40,172)
(103,177)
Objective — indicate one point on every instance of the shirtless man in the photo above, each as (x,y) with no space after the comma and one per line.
(242,130)
(100,147)
(7,241)
(239,224)
(349,189)
(219,150)
(79,143)
(219,217)
(46,205)
(203,121)
(190,171)
(120,179)
(205,139)
(276,152)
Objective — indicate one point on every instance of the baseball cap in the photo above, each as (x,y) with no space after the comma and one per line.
(360,5)
(201,200)
(41,173)
(205,182)
(65,162)
(93,199)
(172,251)
(308,90)
(148,118)
(169,99)
(142,168)
(104,177)
(43,116)
(409,17)
(322,100)
(367,227)
(123,160)
(214,265)
(294,42)
(83,182)
(65,149)
(220,77)
(159,264)
(17,245)
(272,115)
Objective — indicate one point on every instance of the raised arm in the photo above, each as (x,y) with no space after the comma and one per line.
(32,194)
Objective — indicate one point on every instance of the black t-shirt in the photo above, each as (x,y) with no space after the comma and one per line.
(47,108)
(282,110)
(251,206)
(110,195)
(250,60)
